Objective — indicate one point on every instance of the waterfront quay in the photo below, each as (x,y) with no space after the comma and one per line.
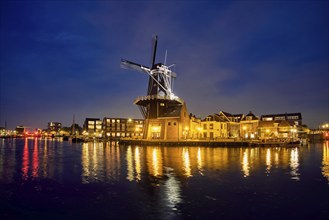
(209,143)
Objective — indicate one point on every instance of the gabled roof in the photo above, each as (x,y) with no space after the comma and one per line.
(250,114)
(285,123)
(231,117)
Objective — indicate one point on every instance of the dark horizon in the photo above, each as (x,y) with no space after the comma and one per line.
(265,57)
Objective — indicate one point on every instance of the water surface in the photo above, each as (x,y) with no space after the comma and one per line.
(44,178)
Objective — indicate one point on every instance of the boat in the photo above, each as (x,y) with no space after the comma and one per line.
(77,140)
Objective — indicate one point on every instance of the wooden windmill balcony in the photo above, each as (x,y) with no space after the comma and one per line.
(145,100)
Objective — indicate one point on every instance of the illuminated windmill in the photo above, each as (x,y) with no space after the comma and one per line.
(160,104)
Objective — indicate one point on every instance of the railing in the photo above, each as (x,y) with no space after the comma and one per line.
(152,97)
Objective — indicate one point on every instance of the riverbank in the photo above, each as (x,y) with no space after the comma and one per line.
(231,143)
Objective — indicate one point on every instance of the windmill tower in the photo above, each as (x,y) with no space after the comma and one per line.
(165,114)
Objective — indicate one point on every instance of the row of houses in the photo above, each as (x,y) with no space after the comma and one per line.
(222,125)
(226,125)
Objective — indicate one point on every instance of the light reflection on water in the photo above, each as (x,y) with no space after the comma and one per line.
(294,164)
(103,162)
(164,177)
(325,160)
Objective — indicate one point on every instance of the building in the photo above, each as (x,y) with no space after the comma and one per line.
(248,126)
(212,127)
(166,116)
(20,131)
(292,118)
(232,124)
(287,125)
(114,128)
(92,127)
(195,128)
(171,121)
(220,126)
(54,128)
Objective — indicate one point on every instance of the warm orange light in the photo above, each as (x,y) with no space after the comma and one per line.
(156,129)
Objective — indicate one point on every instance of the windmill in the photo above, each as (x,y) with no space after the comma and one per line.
(160,103)
(160,86)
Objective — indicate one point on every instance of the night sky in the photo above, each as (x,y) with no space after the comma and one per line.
(62,58)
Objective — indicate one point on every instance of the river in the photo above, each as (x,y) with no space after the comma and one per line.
(52,179)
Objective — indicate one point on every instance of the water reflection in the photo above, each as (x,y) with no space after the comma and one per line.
(268,161)
(25,164)
(325,160)
(106,162)
(171,190)
(255,159)
(294,164)
(35,159)
(199,160)
(186,162)
(156,167)
(101,162)
(245,164)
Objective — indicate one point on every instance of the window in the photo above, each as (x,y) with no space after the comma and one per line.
(174,123)
(205,126)
(211,126)
(169,123)
(162,104)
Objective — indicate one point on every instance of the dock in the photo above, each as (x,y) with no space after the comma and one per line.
(207,143)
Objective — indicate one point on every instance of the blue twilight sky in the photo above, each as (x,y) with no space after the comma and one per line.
(60,58)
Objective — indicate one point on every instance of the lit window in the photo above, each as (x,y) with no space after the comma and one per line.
(162,104)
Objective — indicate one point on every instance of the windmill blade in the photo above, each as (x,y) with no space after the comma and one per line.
(126,64)
(173,75)
(154,50)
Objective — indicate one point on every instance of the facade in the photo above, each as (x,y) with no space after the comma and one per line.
(195,129)
(20,131)
(173,125)
(295,118)
(92,127)
(213,127)
(287,125)
(123,127)
(54,128)
(232,123)
(248,126)
(220,126)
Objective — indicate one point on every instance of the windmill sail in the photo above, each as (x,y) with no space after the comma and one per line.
(126,64)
